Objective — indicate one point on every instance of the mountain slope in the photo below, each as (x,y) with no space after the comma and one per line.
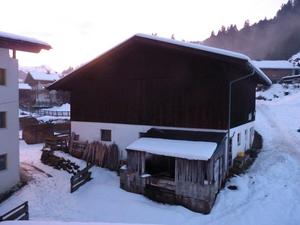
(277,38)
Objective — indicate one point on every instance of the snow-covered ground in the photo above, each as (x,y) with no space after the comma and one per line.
(276,91)
(268,194)
(64,107)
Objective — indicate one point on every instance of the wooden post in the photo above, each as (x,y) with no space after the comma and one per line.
(14,54)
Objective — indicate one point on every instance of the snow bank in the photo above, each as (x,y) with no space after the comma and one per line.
(61,223)
(277,91)
(194,150)
(296,59)
(275,64)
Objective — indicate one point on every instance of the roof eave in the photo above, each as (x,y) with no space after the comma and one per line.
(25,46)
(261,75)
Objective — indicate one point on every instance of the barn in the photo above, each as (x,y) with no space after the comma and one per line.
(171,108)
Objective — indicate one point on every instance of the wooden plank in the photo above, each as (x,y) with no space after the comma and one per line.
(81,178)
(18,213)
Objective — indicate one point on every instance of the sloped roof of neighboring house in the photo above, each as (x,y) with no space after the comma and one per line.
(42,76)
(24,86)
(275,64)
(143,39)
(22,43)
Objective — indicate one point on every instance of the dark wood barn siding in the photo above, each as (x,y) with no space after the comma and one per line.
(243,102)
(158,86)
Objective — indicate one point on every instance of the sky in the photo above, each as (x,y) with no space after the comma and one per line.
(80,30)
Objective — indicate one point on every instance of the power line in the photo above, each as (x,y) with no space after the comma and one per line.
(3,103)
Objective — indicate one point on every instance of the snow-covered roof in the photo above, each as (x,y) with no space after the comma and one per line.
(197,46)
(295,57)
(264,78)
(22,38)
(193,150)
(24,86)
(37,75)
(275,64)
(217,51)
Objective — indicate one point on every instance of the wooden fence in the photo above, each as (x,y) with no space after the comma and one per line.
(19,213)
(52,113)
(81,178)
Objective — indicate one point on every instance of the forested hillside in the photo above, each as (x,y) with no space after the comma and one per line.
(277,38)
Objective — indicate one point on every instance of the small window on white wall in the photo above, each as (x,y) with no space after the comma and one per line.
(250,116)
(2,119)
(3,162)
(239,139)
(105,135)
(2,77)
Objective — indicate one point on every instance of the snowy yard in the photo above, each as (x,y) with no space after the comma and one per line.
(268,194)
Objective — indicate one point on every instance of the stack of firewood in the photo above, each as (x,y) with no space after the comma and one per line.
(102,155)
(58,163)
(96,152)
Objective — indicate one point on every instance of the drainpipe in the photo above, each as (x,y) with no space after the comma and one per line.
(229,111)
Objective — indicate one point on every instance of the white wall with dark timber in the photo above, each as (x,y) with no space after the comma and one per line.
(124,134)
(9,103)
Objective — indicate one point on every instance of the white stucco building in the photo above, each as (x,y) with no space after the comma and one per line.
(9,104)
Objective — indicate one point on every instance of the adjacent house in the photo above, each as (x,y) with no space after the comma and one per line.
(9,104)
(277,69)
(25,94)
(38,81)
(170,106)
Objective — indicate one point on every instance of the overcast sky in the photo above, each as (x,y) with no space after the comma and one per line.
(80,30)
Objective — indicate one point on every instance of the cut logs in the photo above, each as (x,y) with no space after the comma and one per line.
(97,153)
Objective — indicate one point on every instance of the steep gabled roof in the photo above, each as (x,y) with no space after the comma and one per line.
(22,43)
(214,53)
(212,50)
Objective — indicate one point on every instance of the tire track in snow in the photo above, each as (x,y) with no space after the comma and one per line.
(279,137)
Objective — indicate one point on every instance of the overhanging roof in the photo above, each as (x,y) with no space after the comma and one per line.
(220,54)
(22,43)
(212,50)
(192,150)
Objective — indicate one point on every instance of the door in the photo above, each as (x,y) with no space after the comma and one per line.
(217,174)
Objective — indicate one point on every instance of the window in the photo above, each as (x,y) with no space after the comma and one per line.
(239,139)
(250,116)
(2,119)
(2,77)
(105,135)
(3,162)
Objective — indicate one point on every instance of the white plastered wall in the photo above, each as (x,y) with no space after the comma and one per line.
(246,138)
(124,134)
(9,143)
